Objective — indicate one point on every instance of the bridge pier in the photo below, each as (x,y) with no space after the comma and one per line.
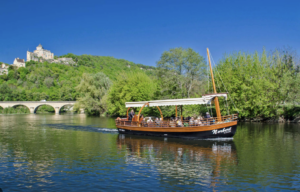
(56,110)
(31,109)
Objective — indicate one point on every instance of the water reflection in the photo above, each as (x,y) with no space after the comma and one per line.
(181,161)
(75,152)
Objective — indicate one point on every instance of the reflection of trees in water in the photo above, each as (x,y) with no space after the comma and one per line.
(29,148)
(267,152)
(181,161)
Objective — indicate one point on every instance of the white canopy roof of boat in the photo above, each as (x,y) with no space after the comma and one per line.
(205,99)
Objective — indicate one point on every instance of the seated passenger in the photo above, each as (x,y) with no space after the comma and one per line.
(176,120)
(192,121)
(200,119)
(172,123)
(196,121)
(149,120)
(157,120)
(179,123)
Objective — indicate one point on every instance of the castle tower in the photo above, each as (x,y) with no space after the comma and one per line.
(28,56)
(39,47)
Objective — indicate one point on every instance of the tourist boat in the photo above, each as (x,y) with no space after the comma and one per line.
(220,126)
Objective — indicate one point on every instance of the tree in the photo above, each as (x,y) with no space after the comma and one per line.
(133,86)
(180,72)
(23,72)
(93,89)
(48,82)
(259,85)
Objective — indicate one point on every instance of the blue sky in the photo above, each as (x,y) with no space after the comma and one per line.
(140,31)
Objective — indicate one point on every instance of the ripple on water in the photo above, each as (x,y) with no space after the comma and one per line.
(92,128)
(76,152)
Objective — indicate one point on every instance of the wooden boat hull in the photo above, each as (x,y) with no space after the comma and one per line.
(211,131)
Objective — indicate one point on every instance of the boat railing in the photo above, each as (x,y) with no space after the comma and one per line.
(184,123)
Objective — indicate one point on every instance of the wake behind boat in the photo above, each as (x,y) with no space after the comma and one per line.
(220,126)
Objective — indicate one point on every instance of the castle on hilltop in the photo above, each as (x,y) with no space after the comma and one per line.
(41,54)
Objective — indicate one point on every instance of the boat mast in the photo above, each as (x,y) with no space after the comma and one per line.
(216,100)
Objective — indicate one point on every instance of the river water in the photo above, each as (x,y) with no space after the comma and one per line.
(79,153)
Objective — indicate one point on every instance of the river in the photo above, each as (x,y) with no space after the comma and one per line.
(68,152)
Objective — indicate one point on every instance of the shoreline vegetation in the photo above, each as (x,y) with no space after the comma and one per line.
(262,87)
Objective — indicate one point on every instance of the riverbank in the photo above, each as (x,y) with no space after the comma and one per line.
(272,120)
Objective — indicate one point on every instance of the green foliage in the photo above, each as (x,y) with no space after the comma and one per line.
(134,86)
(180,72)
(258,84)
(93,89)
(14,110)
(57,82)
(265,85)
(110,66)
(23,72)
(45,109)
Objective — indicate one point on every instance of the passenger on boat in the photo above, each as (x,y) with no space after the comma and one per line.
(143,122)
(172,123)
(213,121)
(192,122)
(179,123)
(207,115)
(157,121)
(131,115)
(149,120)
(199,120)
(196,121)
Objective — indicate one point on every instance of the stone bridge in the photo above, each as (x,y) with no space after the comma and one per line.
(33,105)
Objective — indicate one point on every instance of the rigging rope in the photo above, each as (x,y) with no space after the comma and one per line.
(210,110)
(227,107)
(224,85)
(220,91)
(207,108)
(207,76)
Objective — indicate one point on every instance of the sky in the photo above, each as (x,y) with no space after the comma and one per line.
(140,31)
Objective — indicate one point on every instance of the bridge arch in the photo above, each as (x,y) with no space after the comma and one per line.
(43,104)
(68,104)
(20,104)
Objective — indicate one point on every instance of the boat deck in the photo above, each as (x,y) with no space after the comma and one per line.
(186,123)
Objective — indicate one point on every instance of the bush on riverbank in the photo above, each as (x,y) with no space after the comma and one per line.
(261,86)
(15,110)
(45,109)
